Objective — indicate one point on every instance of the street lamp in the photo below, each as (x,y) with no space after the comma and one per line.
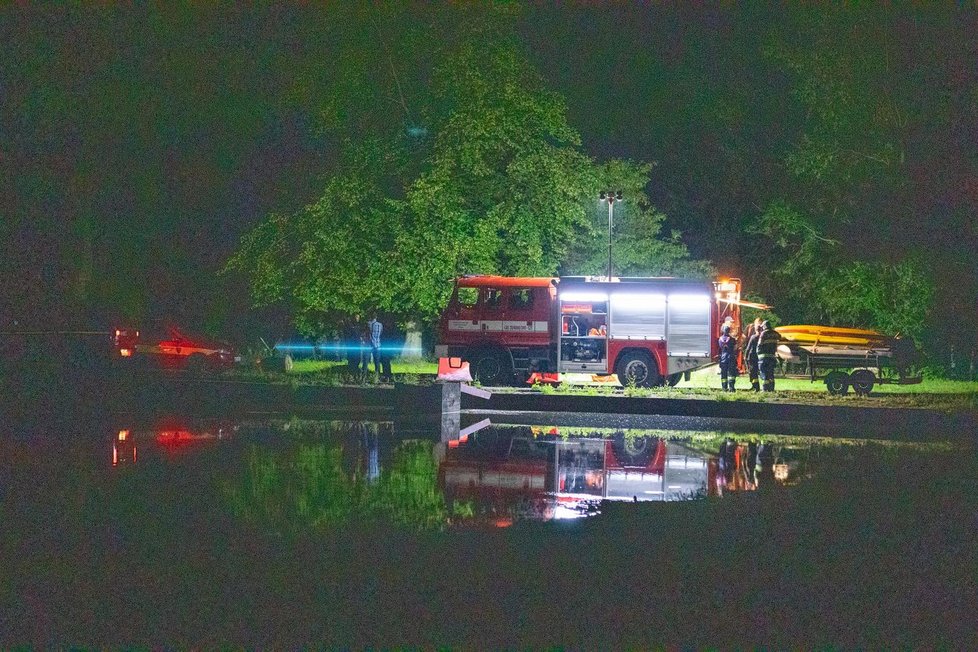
(610,196)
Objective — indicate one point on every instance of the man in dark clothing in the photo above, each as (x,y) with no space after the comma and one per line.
(750,354)
(374,329)
(728,360)
(767,346)
(353,343)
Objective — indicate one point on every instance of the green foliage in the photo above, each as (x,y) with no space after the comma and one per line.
(825,285)
(840,223)
(306,487)
(638,248)
(416,137)
(498,185)
(894,299)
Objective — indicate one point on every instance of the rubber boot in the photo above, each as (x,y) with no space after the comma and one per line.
(755,386)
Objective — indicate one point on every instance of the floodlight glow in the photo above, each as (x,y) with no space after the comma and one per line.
(689,301)
(636,298)
(583,295)
(727,286)
(562,512)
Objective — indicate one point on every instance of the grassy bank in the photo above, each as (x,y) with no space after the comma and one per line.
(706,379)
(932,393)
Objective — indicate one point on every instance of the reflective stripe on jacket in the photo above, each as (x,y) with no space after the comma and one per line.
(767,344)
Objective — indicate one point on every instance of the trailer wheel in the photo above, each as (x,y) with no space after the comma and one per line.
(675,378)
(491,367)
(862,381)
(637,367)
(837,382)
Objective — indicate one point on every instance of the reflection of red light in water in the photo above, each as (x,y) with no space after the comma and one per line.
(115,449)
(174,437)
(503,522)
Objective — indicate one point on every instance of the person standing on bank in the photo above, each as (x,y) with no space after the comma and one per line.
(728,360)
(767,346)
(376,329)
(353,343)
(750,354)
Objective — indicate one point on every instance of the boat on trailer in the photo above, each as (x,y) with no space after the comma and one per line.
(846,357)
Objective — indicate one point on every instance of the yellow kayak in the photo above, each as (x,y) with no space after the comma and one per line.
(811,334)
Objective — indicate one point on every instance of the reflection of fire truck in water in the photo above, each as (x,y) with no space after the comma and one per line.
(510,477)
(169,437)
(648,331)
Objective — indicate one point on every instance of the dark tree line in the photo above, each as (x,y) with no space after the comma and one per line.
(826,155)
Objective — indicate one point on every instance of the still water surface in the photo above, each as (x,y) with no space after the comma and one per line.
(292,474)
(275,532)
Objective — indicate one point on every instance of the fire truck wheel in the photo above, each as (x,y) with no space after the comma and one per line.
(862,381)
(637,367)
(636,451)
(837,382)
(491,367)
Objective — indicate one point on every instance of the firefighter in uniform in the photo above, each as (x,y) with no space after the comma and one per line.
(767,345)
(750,354)
(728,360)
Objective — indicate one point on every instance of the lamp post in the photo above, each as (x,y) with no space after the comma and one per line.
(610,196)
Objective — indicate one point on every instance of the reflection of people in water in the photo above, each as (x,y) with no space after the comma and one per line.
(764,465)
(726,464)
(740,464)
(737,461)
(746,462)
(371,443)
(751,458)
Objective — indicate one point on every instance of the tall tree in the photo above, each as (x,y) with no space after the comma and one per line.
(492,181)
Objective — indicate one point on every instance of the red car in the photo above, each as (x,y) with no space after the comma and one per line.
(175,349)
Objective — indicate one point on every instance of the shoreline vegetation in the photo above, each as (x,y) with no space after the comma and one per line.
(932,393)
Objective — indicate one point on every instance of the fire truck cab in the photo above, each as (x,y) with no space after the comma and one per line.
(648,331)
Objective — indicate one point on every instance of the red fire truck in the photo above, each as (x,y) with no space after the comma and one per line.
(648,331)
